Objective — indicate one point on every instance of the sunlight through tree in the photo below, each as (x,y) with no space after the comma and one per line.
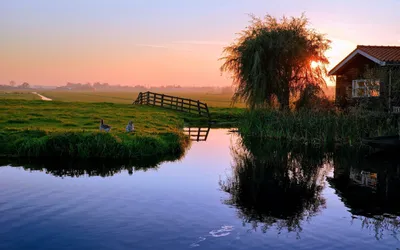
(275,59)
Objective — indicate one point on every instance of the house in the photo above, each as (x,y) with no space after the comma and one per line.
(352,84)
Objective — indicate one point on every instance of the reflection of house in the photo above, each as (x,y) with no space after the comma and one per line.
(352,84)
(368,193)
(364,178)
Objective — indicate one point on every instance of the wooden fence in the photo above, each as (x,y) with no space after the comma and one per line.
(173,102)
(197,134)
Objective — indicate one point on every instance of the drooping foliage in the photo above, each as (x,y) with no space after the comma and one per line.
(274,58)
(312,97)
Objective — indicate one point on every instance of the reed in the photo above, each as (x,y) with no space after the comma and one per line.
(318,128)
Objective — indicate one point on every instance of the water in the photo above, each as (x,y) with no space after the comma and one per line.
(219,196)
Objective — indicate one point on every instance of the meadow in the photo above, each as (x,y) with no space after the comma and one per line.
(68,126)
(19,95)
(80,112)
(221,110)
(216,100)
(35,128)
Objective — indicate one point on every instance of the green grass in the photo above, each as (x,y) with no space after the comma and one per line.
(56,116)
(212,100)
(18,94)
(69,125)
(221,112)
(86,96)
(39,128)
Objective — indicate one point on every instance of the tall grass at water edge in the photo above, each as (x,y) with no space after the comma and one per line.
(318,128)
(37,143)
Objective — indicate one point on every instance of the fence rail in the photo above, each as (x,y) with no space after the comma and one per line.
(173,102)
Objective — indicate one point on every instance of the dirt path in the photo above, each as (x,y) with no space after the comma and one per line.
(43,97)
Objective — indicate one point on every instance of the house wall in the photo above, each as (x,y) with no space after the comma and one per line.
(354,69)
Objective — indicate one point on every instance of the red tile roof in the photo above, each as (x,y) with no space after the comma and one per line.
(388,54)
(382,55)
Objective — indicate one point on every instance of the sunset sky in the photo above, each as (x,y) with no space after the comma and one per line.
(149,42)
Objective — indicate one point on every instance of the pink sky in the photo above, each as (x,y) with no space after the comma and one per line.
(162,42)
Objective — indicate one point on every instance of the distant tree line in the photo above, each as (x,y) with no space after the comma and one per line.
(14,85)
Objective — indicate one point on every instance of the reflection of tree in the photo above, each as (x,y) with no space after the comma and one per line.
(273,186)
(94,167)
(380,224)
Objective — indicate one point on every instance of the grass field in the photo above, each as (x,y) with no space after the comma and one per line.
(75,116)
(69,124)
(19,95)
(219,104)
(212,100)
(28,125)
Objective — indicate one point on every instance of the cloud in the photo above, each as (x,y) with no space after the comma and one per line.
(202,42)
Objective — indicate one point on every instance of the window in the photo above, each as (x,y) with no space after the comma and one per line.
(366,88)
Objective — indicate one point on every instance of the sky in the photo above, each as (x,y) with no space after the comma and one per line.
(163,42)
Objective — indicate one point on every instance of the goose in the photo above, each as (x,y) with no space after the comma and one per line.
(130,127)
(104,127)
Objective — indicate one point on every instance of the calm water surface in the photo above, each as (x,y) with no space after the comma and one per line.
(221,195)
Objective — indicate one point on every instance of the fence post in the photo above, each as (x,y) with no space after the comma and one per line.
(162,100)
(208,112)
(148,98)
(181,104)
(198,107)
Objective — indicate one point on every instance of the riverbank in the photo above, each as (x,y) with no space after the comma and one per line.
(65,129)
(318,128)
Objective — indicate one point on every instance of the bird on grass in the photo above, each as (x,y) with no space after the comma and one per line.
(104,127)
(130,127)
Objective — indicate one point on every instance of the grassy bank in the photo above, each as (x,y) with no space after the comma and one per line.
(318,128)
(71,129)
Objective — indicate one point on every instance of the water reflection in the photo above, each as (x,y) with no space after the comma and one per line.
(273,186)
(338,199)
(197,133)
(77,168)
(369,187)
(276,185)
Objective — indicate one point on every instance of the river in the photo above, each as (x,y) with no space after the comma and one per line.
(219,196)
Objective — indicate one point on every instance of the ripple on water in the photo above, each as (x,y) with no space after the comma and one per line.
(216,233)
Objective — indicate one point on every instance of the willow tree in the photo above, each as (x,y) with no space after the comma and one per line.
(274,58)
